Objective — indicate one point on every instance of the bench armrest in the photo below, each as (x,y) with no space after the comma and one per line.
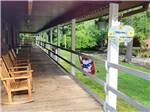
(20,60)
(19,67)
(22,63)
(23,71)
(13,78)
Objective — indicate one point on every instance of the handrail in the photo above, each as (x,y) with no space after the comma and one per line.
(75,52)
(138,73)
(101,82)
(100,100)
(129,100)
(97,98)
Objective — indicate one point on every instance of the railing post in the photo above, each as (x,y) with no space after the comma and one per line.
(112,57)
(73,44)
(65,39)
(37,38)
(40,40)
(51,40)
(58,42)
(46,45)
(48,33)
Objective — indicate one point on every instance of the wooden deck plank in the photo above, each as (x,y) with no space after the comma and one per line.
(54,91)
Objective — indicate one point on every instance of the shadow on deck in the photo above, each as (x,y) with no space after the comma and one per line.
(54,91)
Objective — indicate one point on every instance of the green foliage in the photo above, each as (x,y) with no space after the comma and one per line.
(133,86)
(141,24)
(68,41)
(87,35)
(44,36)
(26,38)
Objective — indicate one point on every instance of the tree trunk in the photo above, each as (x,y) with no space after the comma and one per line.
(128,55)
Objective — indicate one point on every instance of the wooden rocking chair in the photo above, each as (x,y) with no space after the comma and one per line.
(17,58)
(14,83)
(18,62)
(21,70)
(11,65)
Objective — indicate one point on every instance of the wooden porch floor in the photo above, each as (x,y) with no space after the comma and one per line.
(54,91)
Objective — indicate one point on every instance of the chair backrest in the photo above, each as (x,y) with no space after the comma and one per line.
(7,61)
(5,74)
(11,56)
(4,71)
(0,67)
(13,52)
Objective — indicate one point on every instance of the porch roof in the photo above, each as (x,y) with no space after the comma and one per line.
(36,16)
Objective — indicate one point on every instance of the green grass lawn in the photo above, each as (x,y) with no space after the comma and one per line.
(136,88)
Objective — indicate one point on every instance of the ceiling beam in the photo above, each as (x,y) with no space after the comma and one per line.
(30,3)
(142,9)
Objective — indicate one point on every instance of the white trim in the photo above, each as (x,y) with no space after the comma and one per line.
(73,44)
(113,57)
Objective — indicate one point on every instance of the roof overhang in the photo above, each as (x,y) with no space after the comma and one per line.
(37,16)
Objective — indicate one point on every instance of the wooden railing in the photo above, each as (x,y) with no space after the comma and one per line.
(140,74)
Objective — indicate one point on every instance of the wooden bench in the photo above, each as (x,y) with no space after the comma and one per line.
(14,83)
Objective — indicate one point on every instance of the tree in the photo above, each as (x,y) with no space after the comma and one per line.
(141,23)
(86,35)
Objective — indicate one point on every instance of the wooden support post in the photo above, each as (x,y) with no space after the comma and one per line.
(2,35)
(73,44)
(58,42)
(41,40)
(112,57)
(9,97)
(46,45)
(37,38)
(48,33)
(36,42)
(9,92)
(0,85)
(29,90)
(65,39)
(14,36)
(51,40)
